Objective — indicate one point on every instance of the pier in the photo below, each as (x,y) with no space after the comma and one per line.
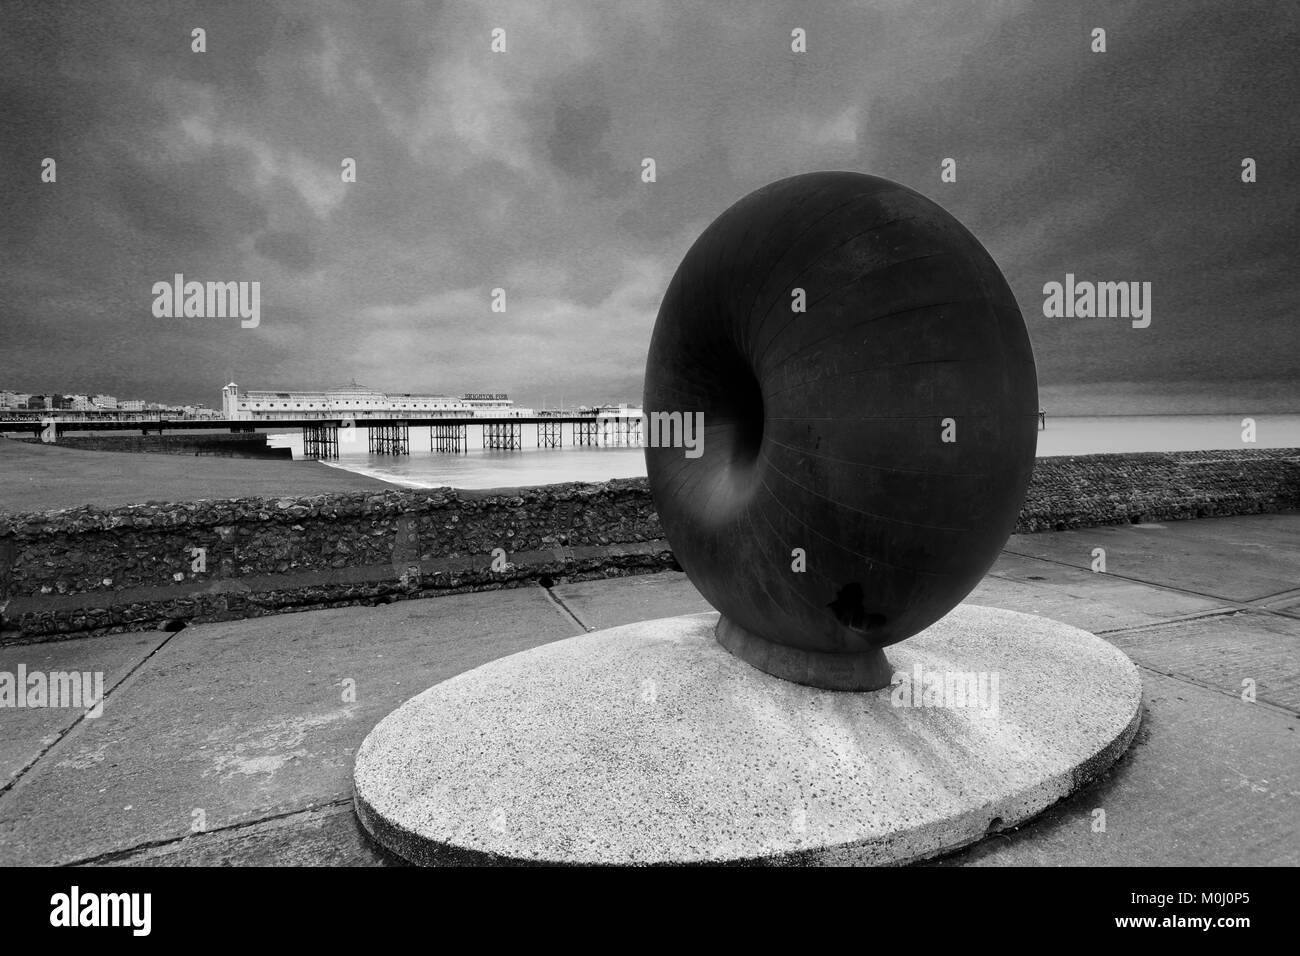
(385,436)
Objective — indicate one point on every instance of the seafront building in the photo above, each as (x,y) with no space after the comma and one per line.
(622,410)
(55,401)
(346,401)
(358,401)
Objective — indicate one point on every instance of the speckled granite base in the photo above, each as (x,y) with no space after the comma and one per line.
(650,743)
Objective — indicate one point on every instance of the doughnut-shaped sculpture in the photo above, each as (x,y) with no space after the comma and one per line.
(863,460)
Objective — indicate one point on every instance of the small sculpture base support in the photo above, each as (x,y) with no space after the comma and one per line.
(869,670)
(650,743)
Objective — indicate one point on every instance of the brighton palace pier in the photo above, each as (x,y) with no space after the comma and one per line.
(357,401)
(387,418)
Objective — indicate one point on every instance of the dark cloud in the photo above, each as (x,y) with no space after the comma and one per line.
(289,249)
(523,171)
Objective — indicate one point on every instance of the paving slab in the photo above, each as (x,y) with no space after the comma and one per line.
(1208,781)
(1243,558)
(1225,651)
(243,720)
(325,836)
(1095,602)
(642,597)
(26,732)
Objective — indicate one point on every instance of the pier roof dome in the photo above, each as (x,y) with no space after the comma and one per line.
(352,389)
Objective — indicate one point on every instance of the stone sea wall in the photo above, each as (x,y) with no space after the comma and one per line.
(89,570)
(93,570)
(1091,490)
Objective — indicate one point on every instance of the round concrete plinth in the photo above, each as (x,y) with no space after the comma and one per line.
(650,743)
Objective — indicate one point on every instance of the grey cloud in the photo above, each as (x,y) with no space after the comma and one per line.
(289,249)
(1120,166)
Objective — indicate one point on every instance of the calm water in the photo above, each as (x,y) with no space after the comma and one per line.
(480,468)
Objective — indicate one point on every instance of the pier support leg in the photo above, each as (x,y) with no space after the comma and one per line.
(448,438)
(550,435)
(507,436)
(390,439)
(320,441)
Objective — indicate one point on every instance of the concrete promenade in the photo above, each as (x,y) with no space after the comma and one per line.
(246,730)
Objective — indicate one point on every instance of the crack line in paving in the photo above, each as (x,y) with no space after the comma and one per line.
(1188,679)
(555,599)
(1287,594)
(1252,605)
(113,856)
(7,788)
(1180,619)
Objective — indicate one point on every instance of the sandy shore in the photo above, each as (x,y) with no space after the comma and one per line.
(47,477)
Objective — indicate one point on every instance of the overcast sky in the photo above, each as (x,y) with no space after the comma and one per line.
(522,170)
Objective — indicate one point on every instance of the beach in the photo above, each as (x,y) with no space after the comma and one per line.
(47,477)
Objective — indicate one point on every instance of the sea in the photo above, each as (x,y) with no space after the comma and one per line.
(489,468)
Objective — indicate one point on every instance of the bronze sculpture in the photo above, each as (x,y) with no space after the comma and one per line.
(869,407)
